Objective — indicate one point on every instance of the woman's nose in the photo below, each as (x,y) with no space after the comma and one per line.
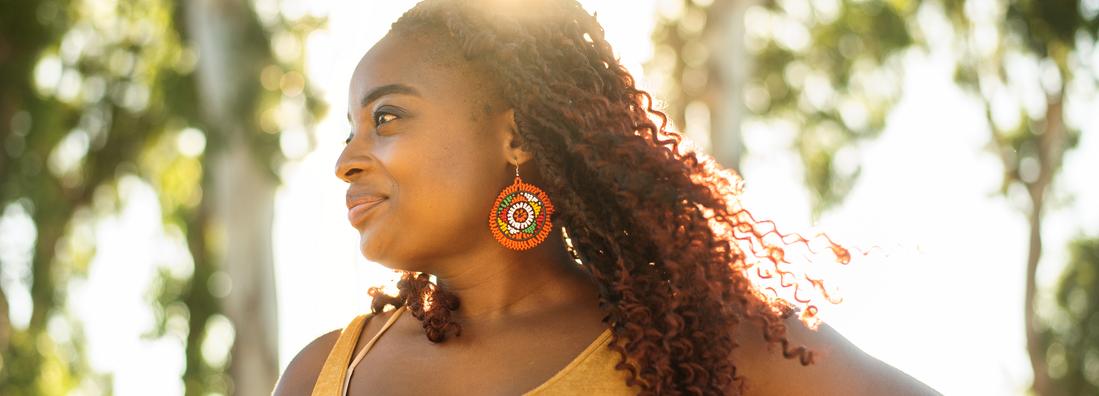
(349,165)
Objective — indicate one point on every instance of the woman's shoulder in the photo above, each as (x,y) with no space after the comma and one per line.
(301,374)
(839,366)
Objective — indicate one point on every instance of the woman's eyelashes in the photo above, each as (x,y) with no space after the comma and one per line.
(380,117)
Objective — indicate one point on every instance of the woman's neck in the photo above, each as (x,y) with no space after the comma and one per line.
(497,283)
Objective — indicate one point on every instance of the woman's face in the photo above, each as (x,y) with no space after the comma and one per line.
(429,150)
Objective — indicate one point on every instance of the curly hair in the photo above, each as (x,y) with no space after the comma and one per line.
(659,226)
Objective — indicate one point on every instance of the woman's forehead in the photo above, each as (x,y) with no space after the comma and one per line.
(415,61)
(431,68)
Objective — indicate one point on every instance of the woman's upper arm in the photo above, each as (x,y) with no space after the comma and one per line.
(839,366)
(302,372)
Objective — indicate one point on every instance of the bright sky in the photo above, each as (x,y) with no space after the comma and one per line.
(944,298)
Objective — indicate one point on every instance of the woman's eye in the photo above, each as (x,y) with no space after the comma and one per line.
(382,117)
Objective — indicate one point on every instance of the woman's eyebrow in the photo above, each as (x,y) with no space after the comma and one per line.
(389,89)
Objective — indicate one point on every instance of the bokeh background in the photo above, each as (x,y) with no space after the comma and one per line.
(170,222)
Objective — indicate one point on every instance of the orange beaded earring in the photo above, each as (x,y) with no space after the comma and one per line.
(520,217)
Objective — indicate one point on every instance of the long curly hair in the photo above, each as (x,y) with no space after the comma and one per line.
(659,226)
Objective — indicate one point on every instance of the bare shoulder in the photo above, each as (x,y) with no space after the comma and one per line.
(301,374)
(839,366)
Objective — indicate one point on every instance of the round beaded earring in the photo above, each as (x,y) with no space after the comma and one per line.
(520,217)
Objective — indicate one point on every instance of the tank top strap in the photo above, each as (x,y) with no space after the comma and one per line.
(366,348)
(331,380)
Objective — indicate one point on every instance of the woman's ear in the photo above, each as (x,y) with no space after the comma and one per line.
(513,144)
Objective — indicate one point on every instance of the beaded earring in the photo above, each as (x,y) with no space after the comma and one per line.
(520,217)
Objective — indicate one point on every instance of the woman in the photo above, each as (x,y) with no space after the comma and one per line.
(613,261)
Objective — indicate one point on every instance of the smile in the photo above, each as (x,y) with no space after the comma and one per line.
(357,214)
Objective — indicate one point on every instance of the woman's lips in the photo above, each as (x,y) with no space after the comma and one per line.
(360,209)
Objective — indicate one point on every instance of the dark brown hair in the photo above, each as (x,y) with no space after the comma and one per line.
(658,226)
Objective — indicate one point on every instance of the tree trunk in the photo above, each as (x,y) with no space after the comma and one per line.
(1033,339)
(244,206)
(5,320)
(730,64)
(243,189)
(1051,148)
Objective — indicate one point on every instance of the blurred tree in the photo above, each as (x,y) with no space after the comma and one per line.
(75,108)
(1020,59)
(242,167)
(828,71)
(698,68)
(1071,340)
(28,30)
(99,91)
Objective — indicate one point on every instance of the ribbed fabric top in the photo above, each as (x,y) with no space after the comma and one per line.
(591,372)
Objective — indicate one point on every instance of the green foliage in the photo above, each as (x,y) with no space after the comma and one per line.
(1071,340)
(996,42)
(830,73)
(674,36)
(98,90)
(837,88)
(1046,34)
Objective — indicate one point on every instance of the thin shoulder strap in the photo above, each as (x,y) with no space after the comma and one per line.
(366,348)
(335,366)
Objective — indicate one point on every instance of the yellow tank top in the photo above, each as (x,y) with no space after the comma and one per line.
(591,372)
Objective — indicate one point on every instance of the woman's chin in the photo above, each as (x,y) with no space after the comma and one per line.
(369,247)
(377,254)
(378,251)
